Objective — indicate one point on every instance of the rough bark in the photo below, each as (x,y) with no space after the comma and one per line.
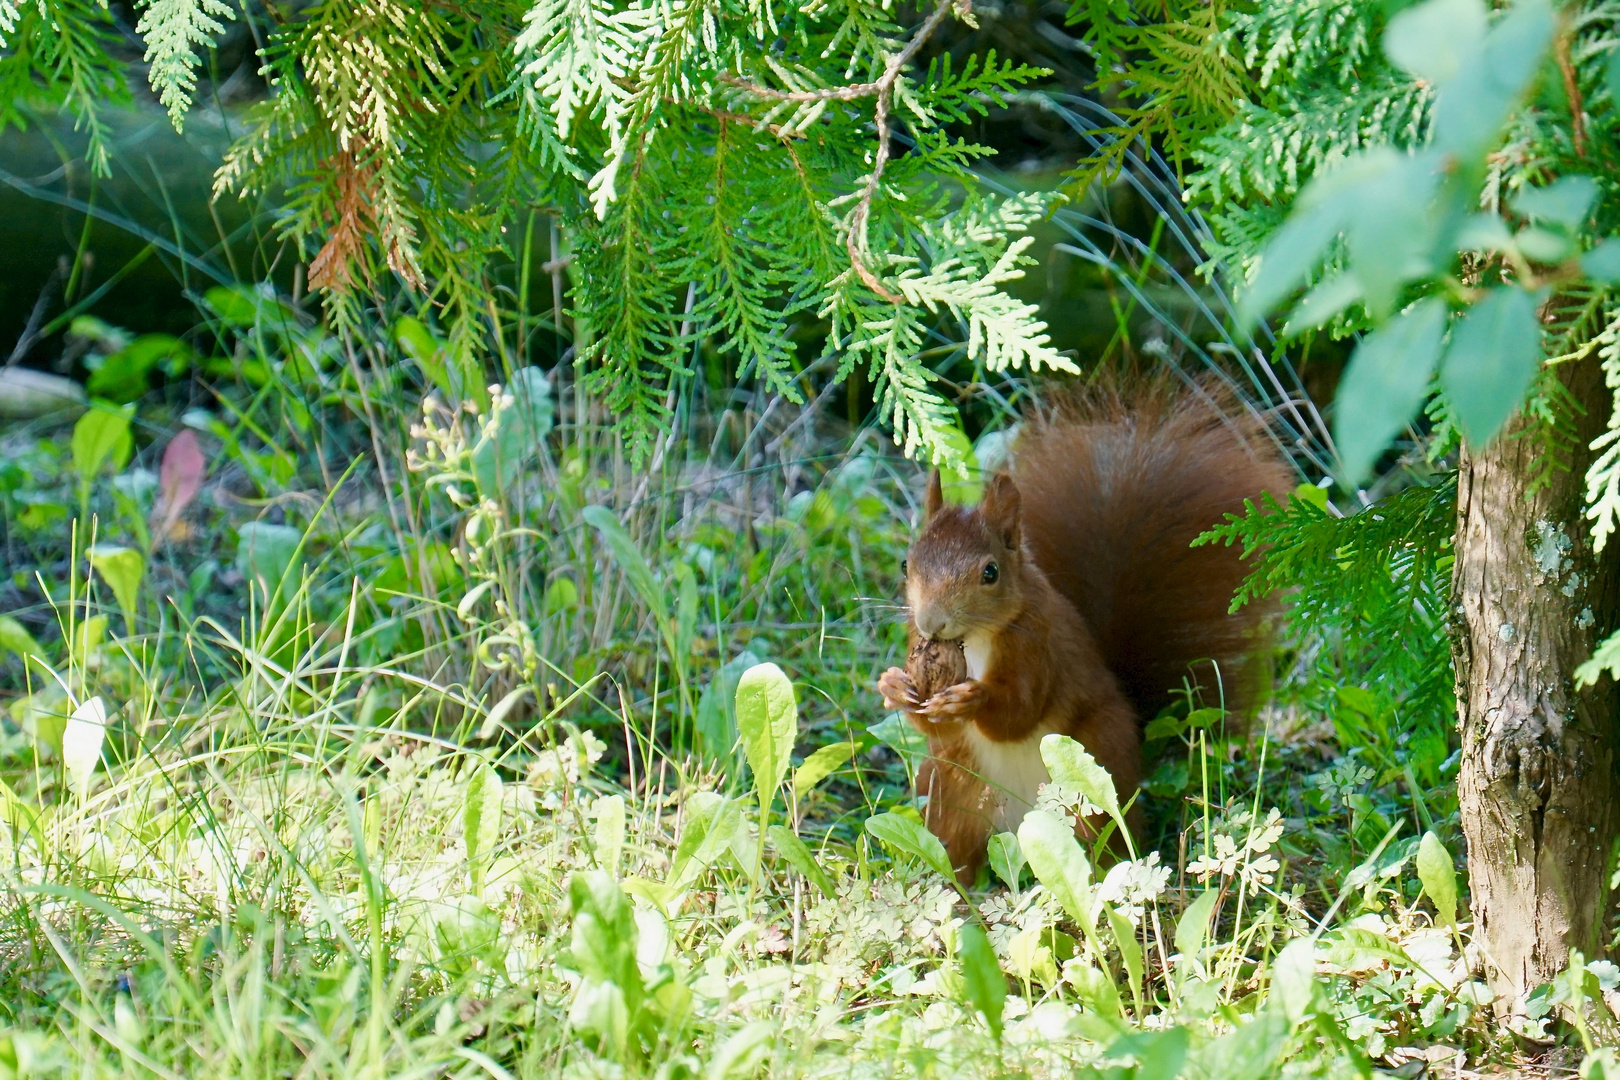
(1537,782)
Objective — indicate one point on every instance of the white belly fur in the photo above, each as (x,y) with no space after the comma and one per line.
(1014,770)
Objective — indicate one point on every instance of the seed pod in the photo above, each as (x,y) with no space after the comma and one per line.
(934,665)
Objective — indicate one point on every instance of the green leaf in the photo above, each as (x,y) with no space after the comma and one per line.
(266,554)
(1193,928)
(122,568)
(958,468)
(15,638)
(820,765)
(630,560)
(1293,978)
(910,838)
(1070,765)
(481,821)
(101,439)
(603,950)
(1130,952)
(1439,877)
(686,611)
(125,375)
(898,734)
(500,456)
(982,979)
(609,810)
(1564,202)
(1007,859)
(712,822)
(716,722)
(1611,78)
(1492,359)
(800,858)
(1471,108)
(768,721)
(1606,657)
(1435,40)
(1058,863)
(1387,380)
(1602,263)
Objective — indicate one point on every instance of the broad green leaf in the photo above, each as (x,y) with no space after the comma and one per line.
(1471,108)
(982,979)
(1390,237)
(1193,928)
(1158,1053)
(1007,859)
(1130,952)
(768,721)
(1058,863)
(431,354)
(1439,877)
(122,568)
(1433,41)
(1602,263)
(101,440)
(1069,764)
(909,744)
(268,554)
(81,744)
(959,473)
(800,857)
(481,821)
(1359,949)
(911,838)
(1329,297)
(1492,359)
(712,822)
(609,811)
(630,560)
(15,638)
(603,951)
(1564,202)
(1387,380)
(1293,978)
(716,721)
(1611,77)
(1291,255)
(686,611)
(820,765)
(500,456)
(744,1050)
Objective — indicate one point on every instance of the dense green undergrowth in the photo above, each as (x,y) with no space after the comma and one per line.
(348,734)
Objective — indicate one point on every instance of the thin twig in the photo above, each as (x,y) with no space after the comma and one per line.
(883,90)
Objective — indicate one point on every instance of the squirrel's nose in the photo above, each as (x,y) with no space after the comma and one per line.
(931,621)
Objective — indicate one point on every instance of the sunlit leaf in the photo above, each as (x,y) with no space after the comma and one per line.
(1058,863)
(1439,877)
(911,838)
(81,744)
(986,986)
(1493,357)
(800,857)
(1387,380)
(481,821)
(768,721)
(122,568)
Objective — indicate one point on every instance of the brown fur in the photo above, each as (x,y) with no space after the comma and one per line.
(1098,608)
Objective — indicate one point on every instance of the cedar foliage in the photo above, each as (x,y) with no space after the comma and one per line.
(726,170)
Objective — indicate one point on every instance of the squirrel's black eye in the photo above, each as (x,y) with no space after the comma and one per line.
(991,573)
(903,565)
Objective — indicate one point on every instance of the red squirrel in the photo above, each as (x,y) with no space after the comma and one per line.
(1079,606)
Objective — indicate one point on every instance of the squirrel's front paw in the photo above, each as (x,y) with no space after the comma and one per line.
(898,691)
(954,702)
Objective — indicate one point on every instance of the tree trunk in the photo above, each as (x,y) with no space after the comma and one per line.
(1537,783)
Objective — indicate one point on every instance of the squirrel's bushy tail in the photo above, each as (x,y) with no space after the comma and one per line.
(1117,477)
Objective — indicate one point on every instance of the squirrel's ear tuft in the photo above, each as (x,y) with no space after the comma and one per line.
(935,496)
(1000,508)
